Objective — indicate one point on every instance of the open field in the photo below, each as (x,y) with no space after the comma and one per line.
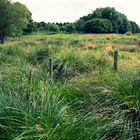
(84,101)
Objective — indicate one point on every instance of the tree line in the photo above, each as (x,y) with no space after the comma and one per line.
(102,20)
(16,19)
(50,27)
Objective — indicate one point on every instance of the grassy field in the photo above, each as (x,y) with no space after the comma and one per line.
(84,101)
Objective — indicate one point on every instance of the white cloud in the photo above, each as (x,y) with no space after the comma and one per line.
(71,10)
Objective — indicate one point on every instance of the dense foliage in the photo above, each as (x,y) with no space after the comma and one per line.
(98,26)
(120,23)
(13,18)
(50,27)
(102,20)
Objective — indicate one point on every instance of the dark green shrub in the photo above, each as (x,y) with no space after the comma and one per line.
(98,26)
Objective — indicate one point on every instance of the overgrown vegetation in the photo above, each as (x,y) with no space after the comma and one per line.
(85,100)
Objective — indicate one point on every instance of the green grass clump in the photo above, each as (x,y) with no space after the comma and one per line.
(45,115)
(38,55)
(69,63)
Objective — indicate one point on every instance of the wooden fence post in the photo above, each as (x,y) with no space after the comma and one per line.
(28,96)
(50,69)
(30,76)
(115,61)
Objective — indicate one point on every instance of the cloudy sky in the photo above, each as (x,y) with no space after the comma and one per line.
(71,10)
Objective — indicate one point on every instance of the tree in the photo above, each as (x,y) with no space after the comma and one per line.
(13,18)
(80,25)
(114,16)
(5,19)
(125,26)
(135,27)
(98,26)
(119,21)
(31,27)
(51,27)
(70,28)
(21,17)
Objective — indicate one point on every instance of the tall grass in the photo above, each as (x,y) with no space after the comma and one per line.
(44,115)
(85,101)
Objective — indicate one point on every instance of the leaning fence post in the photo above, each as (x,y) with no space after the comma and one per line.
(115,61)
(50,65)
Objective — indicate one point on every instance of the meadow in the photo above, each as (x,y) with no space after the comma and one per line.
(85,100)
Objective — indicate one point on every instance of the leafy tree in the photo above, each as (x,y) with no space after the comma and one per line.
(80,25)
(13,18)
(31,27)
(135,27)
(98,26)
(62,27)
(21,17)
(120,23)
(51,27)
(115,17)
(41,26)
(5,19)
(70,27)
(125,26)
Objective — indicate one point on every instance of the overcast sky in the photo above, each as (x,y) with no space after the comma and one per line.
(71,10)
